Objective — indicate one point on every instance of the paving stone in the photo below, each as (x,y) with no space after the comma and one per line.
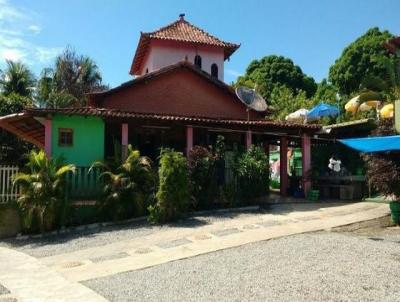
(202,237)
(269,223)
(308,218)
(225,232)
(173,243)
(250,227)
(3,290)
(144,250)
(109,257)
(72,264)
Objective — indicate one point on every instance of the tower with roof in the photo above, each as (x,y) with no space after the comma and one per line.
(181,41)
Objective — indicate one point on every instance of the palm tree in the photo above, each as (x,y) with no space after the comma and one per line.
(17,78)
(76,75)
(42,199)
(128,187)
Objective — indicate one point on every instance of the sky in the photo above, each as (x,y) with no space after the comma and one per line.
(312,33)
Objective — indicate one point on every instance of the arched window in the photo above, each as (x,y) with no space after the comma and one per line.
(214,70)
(197,61)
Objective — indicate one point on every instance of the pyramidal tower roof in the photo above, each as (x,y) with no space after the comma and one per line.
(180,31)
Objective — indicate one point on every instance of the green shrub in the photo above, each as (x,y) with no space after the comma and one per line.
(83,214)
(128,189)
(252,171)
(42,202)
(173,193)
(202,175)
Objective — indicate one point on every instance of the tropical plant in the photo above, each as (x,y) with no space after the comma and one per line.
(252,172)
(128,188)
(17,78)
(42,201)
(173,192)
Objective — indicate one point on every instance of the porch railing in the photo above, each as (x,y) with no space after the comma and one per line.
(84,185)
(8,192)
(80,186)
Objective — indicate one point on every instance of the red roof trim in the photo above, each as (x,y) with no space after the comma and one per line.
(112,113)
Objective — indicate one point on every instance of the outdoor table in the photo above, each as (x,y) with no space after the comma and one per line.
(349,187)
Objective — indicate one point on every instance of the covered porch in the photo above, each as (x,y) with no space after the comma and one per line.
(150,132)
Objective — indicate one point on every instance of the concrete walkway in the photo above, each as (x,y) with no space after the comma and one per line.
(24,278)
(162,247)
(58,275)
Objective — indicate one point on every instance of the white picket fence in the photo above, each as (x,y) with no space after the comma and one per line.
(8,192)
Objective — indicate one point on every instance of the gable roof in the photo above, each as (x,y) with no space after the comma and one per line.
(181,31)
(152,75)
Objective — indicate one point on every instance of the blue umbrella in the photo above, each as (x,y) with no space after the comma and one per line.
(322,110)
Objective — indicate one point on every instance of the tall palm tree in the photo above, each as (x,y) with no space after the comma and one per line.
(42,198)
(17,78)
(76,75)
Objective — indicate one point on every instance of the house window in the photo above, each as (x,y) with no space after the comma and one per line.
(214,70)
(197,61)
(65,137)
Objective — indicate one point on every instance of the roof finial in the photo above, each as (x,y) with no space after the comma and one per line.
(181,17)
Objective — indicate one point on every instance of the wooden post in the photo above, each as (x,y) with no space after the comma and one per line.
(283,166)
(249,141)
(306,162)
(189,139)
(47,137)
(124,141)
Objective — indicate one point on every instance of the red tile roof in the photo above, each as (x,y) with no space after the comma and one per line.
(181,31)
(112,113)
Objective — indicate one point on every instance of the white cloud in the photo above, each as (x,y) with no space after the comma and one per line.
(12,54)
(18,27)
(36,29)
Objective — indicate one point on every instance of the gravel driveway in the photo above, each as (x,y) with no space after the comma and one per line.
(309,267)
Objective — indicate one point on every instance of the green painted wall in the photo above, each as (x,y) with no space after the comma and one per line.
(88,139)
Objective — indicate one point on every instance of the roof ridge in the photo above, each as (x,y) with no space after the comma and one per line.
(179,21)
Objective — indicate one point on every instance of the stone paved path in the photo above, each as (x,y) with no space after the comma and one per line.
(171,244)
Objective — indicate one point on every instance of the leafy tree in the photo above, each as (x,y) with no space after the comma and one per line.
(325,93)
(285,101)
(12,148)
(359,60)
(42,201)
(276,71)
(17,78)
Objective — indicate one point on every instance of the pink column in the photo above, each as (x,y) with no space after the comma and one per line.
(189,139)
(249,140)
(124,141)
(306,162)
(47,137)
(283,166)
